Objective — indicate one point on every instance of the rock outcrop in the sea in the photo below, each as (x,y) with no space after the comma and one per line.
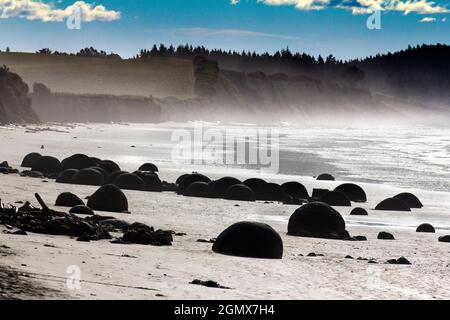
(354,192)
(15,105)
(108,198)
(250,239)
(393,204)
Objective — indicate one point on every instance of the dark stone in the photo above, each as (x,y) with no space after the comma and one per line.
(326,176)
(141,234)
(82,209)
(400,261)
(295,190)
(68,199)
(317,220)
(47,165)
(426,228)
(250,239)
(385,236)
(152,181)
(148,167)
(104,173)
(108,198)
(115,224)
(393,204)
(208,284)
(30,159)
(354,192)
(129,181)
(88,177)
(95,161)
(319,193)
(109,166)
(444,239)
(180,178)
(115,174)
(4,164)
(336,198)
(186,182)
(197,189)
(32,174)
(349,257)
(66,176)
(359,212)
(77,161)
(411,200)
(270,192)
(254,183)
(219,188)
(240,192)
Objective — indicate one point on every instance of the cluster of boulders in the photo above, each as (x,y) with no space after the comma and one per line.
(6,169)
(401,202)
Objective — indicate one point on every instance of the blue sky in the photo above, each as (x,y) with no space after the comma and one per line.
(314,26)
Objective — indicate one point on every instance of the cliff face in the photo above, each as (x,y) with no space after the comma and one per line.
(15,106)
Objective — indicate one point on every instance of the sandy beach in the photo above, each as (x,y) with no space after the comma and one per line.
(117,271)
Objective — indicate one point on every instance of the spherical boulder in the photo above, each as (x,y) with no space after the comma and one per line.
(270,192)
(295,190)
(254,183)
(47,165)
(109,166)
(326,177)
(82,209)
(426,228)
(108,198)
(181,178)
(95,160)
(392,204)
(219,188)
(88,177)
(152,182)
(77,161)
(104,173)
(66,176)
(68,199)
(354,192)
(113,175)
(148,167)
(385,236)
(319,193)
(197,189)
(130,181)
(359,212)
(411,200)
(250,239)
(240,192)
(194,177)
(29,160)
(336,198)
(317,220)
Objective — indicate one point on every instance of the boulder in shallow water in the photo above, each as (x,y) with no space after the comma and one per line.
(354,192)
(66,176)
(317,220)
(425,228)
(197,189)
(47,165)
(250,239)
(77,161)
(326,177)
(411,200)
(29,160)
(150,167)
(68,199)
(336,198)
(270,192)
(254,183)
(295,190)
(385,236)
(188,180)
(392,204)
(359,212)
(219,188)
(240,192)
(88,177)
(108,198)
(129,181)
(82,209)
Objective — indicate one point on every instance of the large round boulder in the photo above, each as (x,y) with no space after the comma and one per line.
(354,192)
(295,190)
(66,176)
(336,198)
(219,188)
(88,177)
(181,178)
(317,220)
(426,228)
(270,192)
(47,165)
(108,165)
(197,189)
(68,199)
(250,239)
(152,182)
(359,212)
(392,204)
(108,198)
(104,173)
(194,177)
(326,177)
(411,200)
(240,192)
(150,167)
(77,161)
(130,181)
(254,183)
(113,175)
(82,209)
(29,160)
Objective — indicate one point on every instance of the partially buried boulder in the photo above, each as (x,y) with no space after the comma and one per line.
(426,228)
(392,204)
(141,234)
(219,188)
(336,198)
(113,175)
(197,189)
(359,212)
(108,165)
(68,199)
(411,200)
(82,209)
(77,161)
(181,178)
(148,167)
(47,165)
(152,181)
(385,236)
(129,181)
(317,220)
(270,192)
(66,176)
(354,192)
(240,192)
(444,239)
(29,160)
(326,177)
(295,190)
(188,180)
(88,177)
(250,239)
(108,198)
(254,183)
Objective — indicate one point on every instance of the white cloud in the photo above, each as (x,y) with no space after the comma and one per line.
(428,19)
(233,2)
(46,12)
